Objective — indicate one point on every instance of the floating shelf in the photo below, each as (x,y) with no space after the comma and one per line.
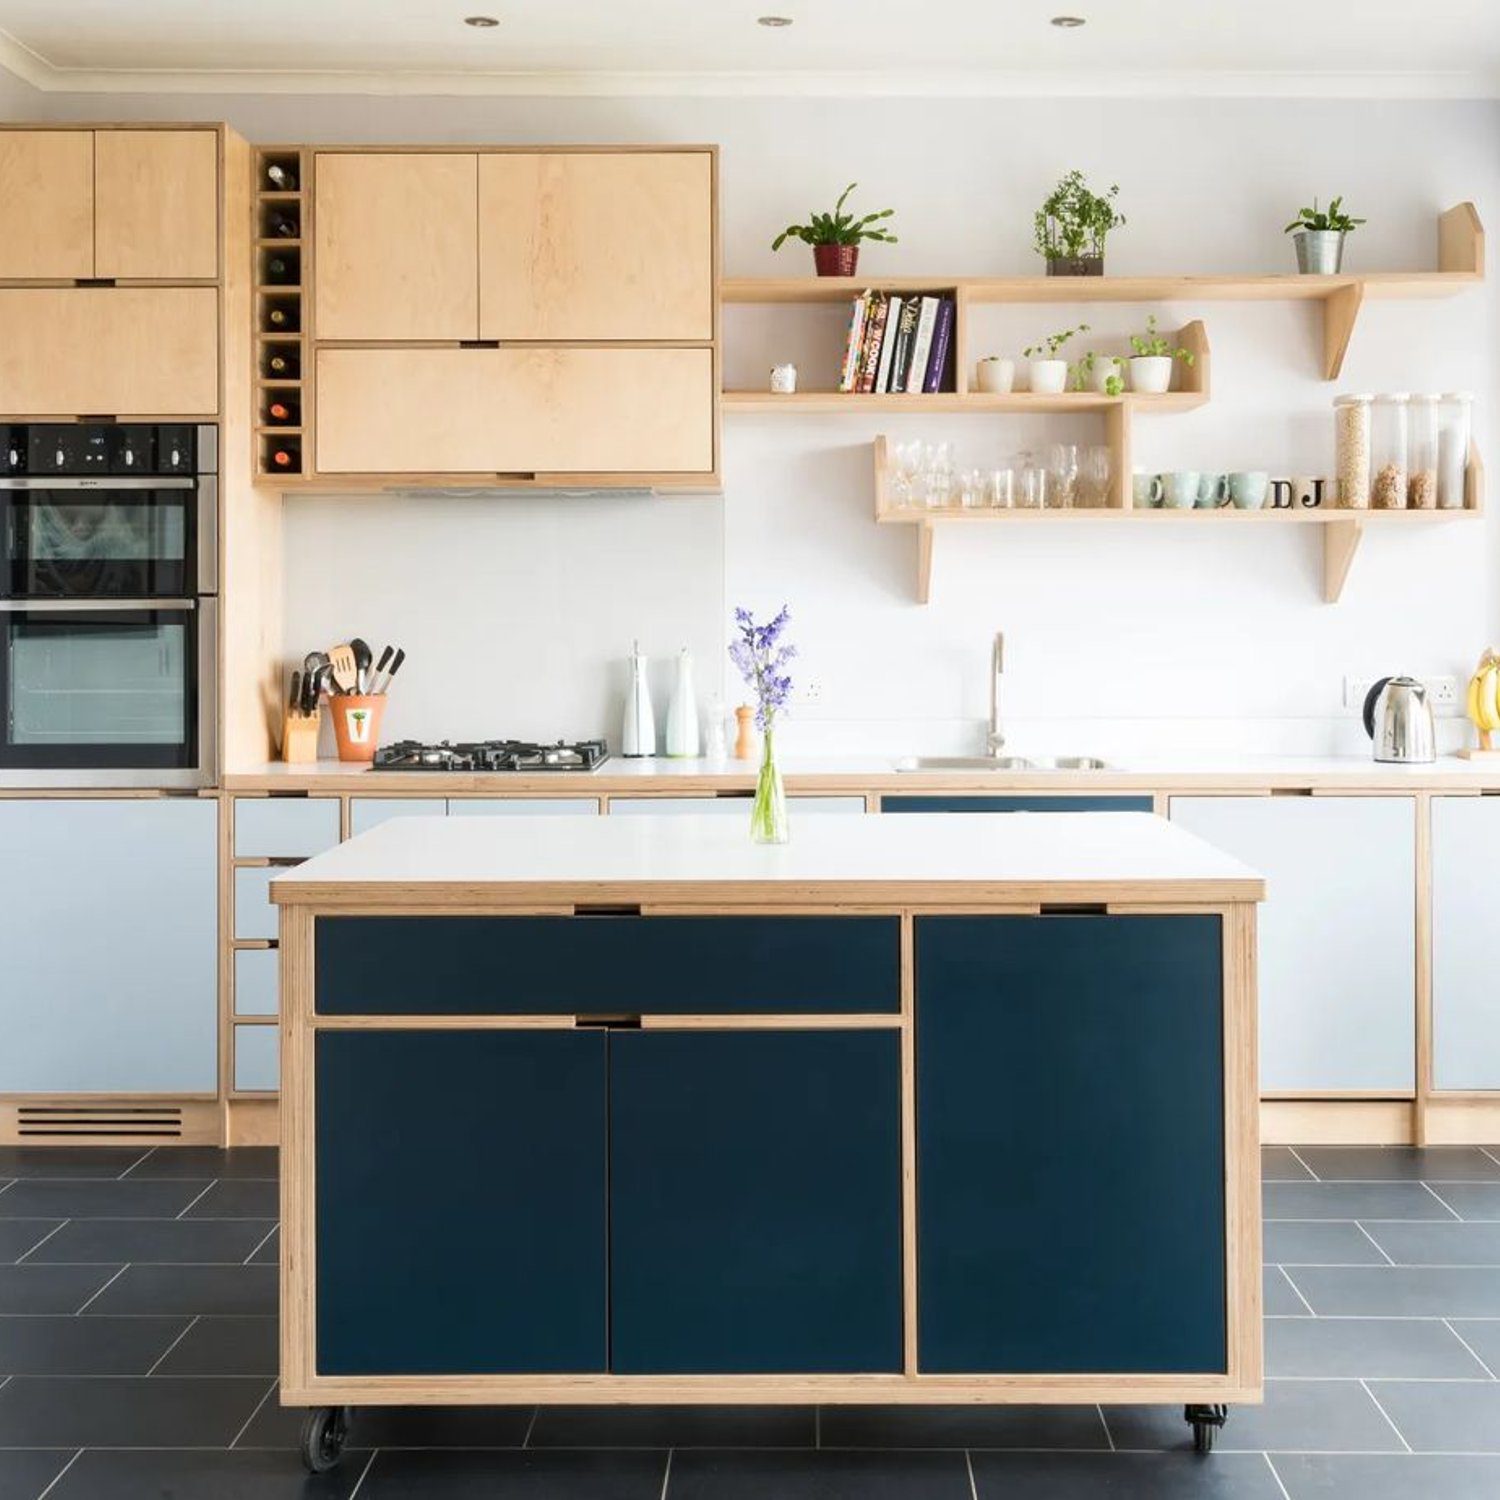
(1460,265)
(953,401)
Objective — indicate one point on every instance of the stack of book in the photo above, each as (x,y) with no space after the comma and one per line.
(900,341)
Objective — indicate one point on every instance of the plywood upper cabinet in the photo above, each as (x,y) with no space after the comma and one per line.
(396,237)
(47,187)
(606,245)
(156,204)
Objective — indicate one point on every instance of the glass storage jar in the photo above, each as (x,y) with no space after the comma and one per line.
(1351,418)
(1388,452)
(1421,453)
(1454,412)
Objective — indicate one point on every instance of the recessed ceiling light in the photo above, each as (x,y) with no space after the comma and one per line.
(1069,23)
(483,22)
(773,21)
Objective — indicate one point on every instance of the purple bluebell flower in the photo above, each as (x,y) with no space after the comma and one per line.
(762,660)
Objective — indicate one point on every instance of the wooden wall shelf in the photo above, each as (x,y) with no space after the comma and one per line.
(968,401)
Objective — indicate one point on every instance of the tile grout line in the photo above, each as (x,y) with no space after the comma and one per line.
(5,1187)
(526,1440)
(1277,1477)
(1286,1275)
(1365,1386)
(199,1198)
(666,1474)
(1376,1242)
(270,1390)
(1486,1150)
(817,1426)
(56,1478)
(256,1251)
(969,1465)
(150,1151)
(192,1322)
(364,1473)
(21,1259)
(1296,1158)
(118,1274)
(1467,1345)
(1448,1206)
(1109,1437)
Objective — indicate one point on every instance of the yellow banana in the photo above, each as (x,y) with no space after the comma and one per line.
(1489,707)
(1471,701)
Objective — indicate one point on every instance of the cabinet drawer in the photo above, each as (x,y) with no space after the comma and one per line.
(607,965)
(517,410)
(284,827)
(254,915)
(1013,803)
(257,1059)
(522,807)
(732,806)
(366,813)
(255,981)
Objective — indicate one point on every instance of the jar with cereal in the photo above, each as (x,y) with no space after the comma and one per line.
(1388,452)
(1453,448)
(1352,446)
(1422,453)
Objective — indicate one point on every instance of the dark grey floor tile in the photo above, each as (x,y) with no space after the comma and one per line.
(1400,1163)
(846,1475)
(1356,1348)
(26,1472)
(1469,1200)
(269,1253)
(17,1236)
(1279,1298)
(1447,1416)
(277,1426)
(84,1346)
(153,1241)
(67,1161)
(1122,1476)
(1072,1427)
(97,1200)
(1400,1291)
(122,1413)
(1406,1477)
(674,1427)
(208,1162)
(238,1200)
(1278,1164)
(224,1346)
(532,1475)
(1308,1416)
(162,1474)
(1329,1243)
(230,1290)
(1483,1338)
(1350,1200)
(1447,1244)
(50,1289)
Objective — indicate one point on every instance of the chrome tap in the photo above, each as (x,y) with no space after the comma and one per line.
(995,741)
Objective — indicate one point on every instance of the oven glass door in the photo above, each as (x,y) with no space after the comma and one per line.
(87,538)
(102,687)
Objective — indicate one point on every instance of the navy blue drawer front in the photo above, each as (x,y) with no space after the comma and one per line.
(596,965)
(1021,802)
(1070,1108)
(461,1202)
(755,1192)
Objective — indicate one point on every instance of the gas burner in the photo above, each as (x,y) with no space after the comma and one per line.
(492,755)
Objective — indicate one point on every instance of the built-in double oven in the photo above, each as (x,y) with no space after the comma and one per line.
(108,604)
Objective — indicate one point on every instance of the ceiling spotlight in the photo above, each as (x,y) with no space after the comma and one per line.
(774,22)
(482,22)
(1069,23)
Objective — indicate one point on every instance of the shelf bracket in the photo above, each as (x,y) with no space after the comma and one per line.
(1340,310)
(1341,541)
(924,561)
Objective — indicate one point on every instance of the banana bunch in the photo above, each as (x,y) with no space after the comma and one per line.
(1484,696)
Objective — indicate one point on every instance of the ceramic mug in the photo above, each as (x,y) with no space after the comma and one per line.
(1145,490)
(1179,489)
(1308,492)
(1213,491)
(784,380)
(1248,489)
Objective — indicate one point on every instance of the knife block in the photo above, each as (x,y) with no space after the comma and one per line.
(299,738)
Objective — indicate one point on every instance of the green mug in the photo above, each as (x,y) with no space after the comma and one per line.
(1248,489)
(1145,491)
(1213,491)
(1179,489)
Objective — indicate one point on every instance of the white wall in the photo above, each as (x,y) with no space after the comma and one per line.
(1149,639)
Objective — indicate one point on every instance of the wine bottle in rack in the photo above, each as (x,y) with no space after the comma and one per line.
(282,363)
(281,269)
(281,177)
(281,317)
(282,411)
(281,224)
(284,456)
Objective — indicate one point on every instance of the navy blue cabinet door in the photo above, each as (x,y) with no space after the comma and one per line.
(755,1189)
(1070,1106)
(1016,802)
(461,1208)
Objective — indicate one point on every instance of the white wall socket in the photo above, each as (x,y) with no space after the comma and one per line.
(1443,693)
(809,690)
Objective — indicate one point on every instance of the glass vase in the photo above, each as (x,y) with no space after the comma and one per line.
(768,823)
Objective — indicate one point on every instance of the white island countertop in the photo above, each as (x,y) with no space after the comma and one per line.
(946,858)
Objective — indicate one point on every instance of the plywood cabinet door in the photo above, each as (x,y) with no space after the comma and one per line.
(156,204)
(396,246)
(515,410)
(1465,994)
(121,351)
(47,187)
(608,245)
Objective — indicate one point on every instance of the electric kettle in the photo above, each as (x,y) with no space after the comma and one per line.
(1398,718)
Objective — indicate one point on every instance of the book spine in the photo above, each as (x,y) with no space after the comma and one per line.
(901,363)
(942,336)
(856,341)
(875,327)
(922,343)
(888,344)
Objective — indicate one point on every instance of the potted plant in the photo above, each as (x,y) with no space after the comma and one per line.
(835,238)
(1318,235)
(1102,373)
(995,375)
(1049,374)
(1072,225)
(1151,364)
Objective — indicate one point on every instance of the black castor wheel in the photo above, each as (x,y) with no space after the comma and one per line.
(324,1431)
(1206,1422)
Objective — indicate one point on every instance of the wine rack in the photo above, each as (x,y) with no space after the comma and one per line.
(281,245)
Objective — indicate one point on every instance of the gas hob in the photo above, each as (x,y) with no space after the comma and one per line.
(514,756)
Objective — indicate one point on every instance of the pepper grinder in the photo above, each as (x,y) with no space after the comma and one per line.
(744,741)
(638,737)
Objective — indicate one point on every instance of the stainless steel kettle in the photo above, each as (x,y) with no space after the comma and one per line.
(1398,718)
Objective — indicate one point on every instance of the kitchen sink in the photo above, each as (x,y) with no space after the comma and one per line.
(1001,763)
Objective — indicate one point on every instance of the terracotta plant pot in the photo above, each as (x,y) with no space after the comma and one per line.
(1076,265)
(836,260)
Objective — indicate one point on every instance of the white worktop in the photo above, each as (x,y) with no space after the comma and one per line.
(1084,849)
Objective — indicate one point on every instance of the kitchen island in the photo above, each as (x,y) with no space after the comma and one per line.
(940,1108)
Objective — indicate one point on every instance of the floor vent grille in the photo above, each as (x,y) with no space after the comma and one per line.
(99,1122)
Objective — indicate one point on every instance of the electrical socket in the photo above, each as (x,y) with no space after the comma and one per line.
(809,690)
(1356,690)
(1442,692)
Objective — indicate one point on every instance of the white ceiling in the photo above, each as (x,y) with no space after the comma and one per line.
(1400,48)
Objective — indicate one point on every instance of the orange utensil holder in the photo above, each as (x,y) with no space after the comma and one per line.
(356,724)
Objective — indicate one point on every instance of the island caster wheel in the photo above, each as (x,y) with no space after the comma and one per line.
(323,1434)
(1206,1422)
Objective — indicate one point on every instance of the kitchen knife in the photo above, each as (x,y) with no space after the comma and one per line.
(294,698)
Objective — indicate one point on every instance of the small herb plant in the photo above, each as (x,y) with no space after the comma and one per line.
(1318,219)
(1083,373)
(1052,343)
(1151,344)
(1074,221)
(838,228)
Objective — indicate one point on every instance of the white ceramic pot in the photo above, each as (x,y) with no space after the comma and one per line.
(1049,377)
(995,377)
(1104,369)
(1151,374)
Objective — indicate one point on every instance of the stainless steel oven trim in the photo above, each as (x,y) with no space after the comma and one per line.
(207,769)
(208,448)
(97,482)
(90,606)
(208,534)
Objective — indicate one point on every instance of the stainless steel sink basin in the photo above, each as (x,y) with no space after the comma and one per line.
(1001,763)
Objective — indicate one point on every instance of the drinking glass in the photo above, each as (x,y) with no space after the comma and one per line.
(937,475)
(1093,478)
(906,464)
(1034,487)
(971,489)
(1000,491)
(1062,467)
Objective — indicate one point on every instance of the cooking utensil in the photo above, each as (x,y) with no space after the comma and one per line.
(1398,718)
(294,697)
(363,656)
(383,684)
(380,667)
(345,669)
